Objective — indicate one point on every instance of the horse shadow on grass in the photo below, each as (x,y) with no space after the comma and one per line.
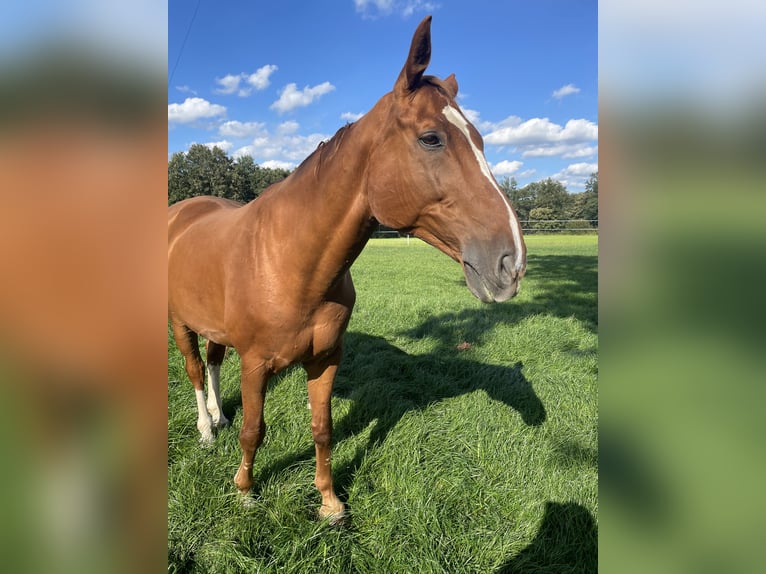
(412,382)
(566,542)
(565,285)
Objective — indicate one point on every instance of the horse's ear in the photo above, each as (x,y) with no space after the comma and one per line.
(417,60)
(451,83)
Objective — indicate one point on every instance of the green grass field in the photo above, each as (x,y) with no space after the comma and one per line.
(475,460)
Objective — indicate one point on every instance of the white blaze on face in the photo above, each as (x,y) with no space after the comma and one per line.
(456,118)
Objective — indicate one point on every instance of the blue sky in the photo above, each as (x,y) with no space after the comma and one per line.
(273,79)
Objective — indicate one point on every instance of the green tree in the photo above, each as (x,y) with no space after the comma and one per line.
(551,194)
(178,178)
(266,176)
(243,179)
(585,204)
(199,171)
(544,219)
(592,184)
(510,187)
(522,199)
(249,179)
(591,188)
(213,170)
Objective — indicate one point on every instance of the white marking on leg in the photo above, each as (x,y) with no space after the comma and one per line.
(204,422)
(214,396)
(456,118)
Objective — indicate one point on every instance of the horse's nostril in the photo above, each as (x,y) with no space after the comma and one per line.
(507,267)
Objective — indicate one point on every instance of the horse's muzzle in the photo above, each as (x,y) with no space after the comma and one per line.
(492,278)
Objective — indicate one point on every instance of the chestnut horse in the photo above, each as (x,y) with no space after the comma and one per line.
(271,278)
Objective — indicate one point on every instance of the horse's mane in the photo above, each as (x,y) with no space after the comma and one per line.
(324,151)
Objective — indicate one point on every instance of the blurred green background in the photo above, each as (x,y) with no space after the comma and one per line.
(682,268)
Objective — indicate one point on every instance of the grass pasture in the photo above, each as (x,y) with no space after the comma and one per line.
(452,457)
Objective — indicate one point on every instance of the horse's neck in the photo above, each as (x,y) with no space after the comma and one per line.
(323,206)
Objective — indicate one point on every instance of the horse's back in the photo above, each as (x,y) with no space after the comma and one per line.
(185,213)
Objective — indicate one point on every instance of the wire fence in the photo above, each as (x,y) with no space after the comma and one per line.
(559,226)
(528,226)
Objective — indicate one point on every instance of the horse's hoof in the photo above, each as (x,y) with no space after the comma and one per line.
(246,499)
(334,517)
(206,440)
(221,423)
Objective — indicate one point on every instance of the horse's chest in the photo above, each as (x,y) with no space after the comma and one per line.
(327,327)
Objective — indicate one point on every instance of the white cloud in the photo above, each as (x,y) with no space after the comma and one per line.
(383,7)
(258,80)
(186,90)
(409,8)
(229,84)
(290,97)
(539,137)
(224,145)
(542,130)
(575,175)
(506,167)
(473,117)
(288,127)
(284,147)
(583,151)
(567,90)
(580,129)
(378,8)
(584,169)
(567,151)
(193,109)
(542,138)
(276,164)
(237,129)
(350,116)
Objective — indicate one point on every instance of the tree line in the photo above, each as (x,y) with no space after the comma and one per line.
(544,205)
(209,171)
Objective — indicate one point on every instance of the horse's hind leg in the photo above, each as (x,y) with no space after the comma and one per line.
(188,344)
(215,355)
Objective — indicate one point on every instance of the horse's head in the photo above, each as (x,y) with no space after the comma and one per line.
(427,175)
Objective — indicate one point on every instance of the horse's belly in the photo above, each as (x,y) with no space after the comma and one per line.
(216,336)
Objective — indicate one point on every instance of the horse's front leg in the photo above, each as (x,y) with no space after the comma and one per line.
(321,375)
(253,386)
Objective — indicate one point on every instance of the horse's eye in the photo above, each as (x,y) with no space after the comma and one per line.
(430,140)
